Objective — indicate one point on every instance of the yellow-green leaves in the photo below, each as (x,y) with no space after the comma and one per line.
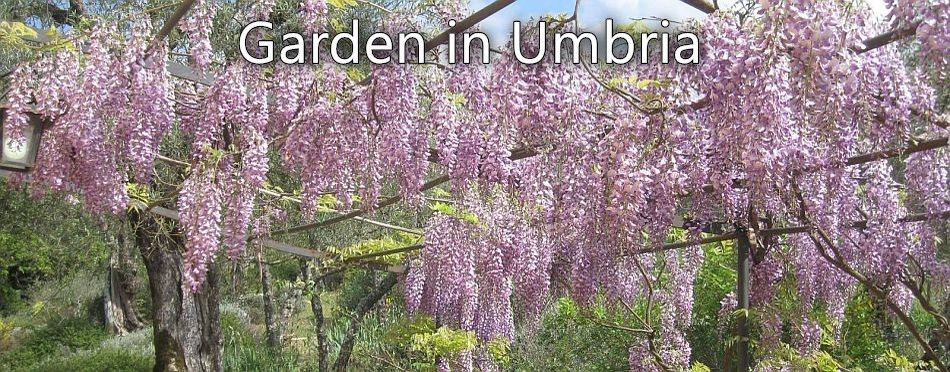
(13,32)
(373,246)
(499,349)
(637,82)
(451,211)
(444,342)
(355,74)
(19,35)
(633,28)
(137,192)
(420,335)
(440,192)
(457,99)
(342,4)
(699,367)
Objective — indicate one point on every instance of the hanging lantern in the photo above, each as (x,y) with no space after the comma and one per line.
(19,156)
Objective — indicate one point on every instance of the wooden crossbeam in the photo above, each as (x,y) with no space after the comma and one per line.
(702,5)
(357,213)
(516,155)
(171,23)
(893,153)
(267,243)
(264,191)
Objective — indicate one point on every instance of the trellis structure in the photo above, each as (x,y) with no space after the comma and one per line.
(746,237)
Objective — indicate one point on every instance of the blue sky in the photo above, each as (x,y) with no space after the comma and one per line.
(594,12)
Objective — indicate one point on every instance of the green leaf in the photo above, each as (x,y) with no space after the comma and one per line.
(450,211)
(445,342)
(644,83)
(342,4)
(138,192)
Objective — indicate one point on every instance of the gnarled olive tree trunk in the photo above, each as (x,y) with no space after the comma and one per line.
(119,297)
(186,325)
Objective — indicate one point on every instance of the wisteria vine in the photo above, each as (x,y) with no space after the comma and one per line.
(759,134)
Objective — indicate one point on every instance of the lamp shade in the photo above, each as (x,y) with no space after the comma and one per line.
(20,156)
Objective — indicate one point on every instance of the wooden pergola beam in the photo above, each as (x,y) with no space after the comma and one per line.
(516,155)
(272,193)
(267,243)
(170,24)
(702,5)
(357,213)
(893,153)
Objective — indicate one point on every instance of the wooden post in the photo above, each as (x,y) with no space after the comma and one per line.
(742,298)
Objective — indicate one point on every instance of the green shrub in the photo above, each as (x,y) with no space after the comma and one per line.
(43,239)
(21,264)
(716,279)
(566,339)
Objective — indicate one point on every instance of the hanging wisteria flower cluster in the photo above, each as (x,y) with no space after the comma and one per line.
(479,258)
(111,110)
(565,173)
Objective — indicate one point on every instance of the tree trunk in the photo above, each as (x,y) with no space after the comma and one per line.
(120,314)
(365,305)
(316,304)
(118,308)
(186,325)
(267,292)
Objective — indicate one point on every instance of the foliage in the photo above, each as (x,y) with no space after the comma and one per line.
(16,35)
(424,344)
(715,280)
(863,334)
(451,211)
(767,130)
(373,246)
(893,361)
(566,339)
(21,264)
(64,244)
(443,343)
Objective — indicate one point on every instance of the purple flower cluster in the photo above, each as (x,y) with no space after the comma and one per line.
(198,24)
(475,265)
(606,158)
(199,206)
(313,14)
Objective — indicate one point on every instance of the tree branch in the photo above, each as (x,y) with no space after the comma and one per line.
(364,306)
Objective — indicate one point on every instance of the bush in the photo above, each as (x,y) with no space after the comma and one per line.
(567,340)
(21,264)
(42,239)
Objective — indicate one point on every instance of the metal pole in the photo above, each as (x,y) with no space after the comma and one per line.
(742,298)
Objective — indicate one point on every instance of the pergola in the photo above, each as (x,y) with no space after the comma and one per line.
(745,237)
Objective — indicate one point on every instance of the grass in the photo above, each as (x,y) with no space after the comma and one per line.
(244,351)
(55,338)
(101,359)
